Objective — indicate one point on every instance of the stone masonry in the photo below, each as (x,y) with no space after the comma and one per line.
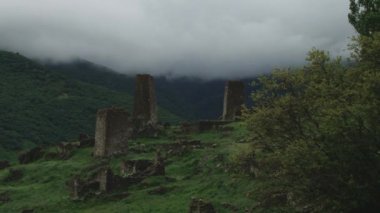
(113,129)
(233,99)
(145,107)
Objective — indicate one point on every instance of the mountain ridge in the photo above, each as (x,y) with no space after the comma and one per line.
(190,98)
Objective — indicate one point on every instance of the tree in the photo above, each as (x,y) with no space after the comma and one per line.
(365,16)
(315,135)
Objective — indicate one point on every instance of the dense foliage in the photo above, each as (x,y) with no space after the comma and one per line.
(316,132)
(364,16)
(39,106)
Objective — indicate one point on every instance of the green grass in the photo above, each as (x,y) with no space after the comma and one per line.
(197,173)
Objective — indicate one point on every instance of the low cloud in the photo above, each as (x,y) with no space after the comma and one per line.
(203,38)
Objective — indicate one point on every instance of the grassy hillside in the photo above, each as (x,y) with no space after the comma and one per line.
(200,173)
(39,106)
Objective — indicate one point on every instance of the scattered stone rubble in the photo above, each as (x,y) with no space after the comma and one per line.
(105,181)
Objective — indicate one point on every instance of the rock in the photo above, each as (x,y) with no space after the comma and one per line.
(200,206)
(31,155)
(4,164)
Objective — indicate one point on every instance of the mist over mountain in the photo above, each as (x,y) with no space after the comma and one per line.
(209,39)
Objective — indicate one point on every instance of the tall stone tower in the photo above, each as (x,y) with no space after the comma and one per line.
(233,99)
(145,106)
(113,129)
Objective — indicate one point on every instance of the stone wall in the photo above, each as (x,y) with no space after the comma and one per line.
(233,99)
(113,129)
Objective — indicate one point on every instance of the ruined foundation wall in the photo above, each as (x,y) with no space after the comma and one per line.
(233,99)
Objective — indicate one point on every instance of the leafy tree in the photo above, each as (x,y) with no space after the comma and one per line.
(365,16)
(366,50)
(316,131)
(315,135)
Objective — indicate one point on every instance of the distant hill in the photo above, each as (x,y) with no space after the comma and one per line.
(190,98)
(38,106)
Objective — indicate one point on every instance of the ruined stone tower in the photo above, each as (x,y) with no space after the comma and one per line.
(233,99)
(145,107)
(113,128)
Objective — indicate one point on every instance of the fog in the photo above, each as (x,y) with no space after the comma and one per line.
(201,38)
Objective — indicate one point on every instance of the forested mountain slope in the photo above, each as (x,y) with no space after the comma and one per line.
(38,106)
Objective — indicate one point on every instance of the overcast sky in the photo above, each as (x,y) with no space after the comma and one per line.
(207,38)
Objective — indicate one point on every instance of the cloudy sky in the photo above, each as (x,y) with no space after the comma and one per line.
(208,38)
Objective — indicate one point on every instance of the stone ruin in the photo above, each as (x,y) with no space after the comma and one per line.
(31,155)
(143,168)
(233,100)
(145,107)
(101,180)
(113,129)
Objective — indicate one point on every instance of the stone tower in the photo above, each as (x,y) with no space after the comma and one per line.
(145,106)
(233,99)
(113,129)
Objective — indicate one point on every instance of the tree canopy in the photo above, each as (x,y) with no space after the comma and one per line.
(365,16)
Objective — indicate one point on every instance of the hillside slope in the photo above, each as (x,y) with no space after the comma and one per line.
(197,172)
(39,106)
